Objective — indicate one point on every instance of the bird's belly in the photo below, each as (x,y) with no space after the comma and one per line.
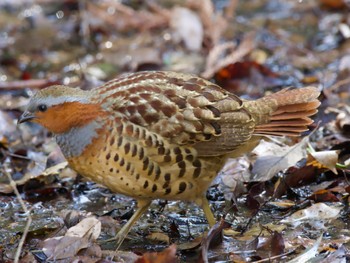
(150,180)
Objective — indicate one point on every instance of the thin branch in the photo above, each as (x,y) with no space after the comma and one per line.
(26,211)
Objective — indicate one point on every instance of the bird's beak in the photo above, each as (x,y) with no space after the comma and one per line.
(26,116)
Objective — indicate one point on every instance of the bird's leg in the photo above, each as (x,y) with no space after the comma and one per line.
(207,211)
(142,206)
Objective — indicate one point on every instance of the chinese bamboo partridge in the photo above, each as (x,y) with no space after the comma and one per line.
(164,135)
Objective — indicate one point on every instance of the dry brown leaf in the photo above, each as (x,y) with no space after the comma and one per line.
(168,255)
(76,238)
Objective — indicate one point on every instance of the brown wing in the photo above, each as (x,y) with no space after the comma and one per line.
(182,108)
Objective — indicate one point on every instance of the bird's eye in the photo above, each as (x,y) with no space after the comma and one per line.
(42,107)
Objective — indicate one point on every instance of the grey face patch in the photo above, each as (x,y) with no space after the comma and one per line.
(55,95)
(74,142)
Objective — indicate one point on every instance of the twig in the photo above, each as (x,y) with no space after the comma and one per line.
(32,83)
(214,63)
(26,211)
(230,10)
(339,83)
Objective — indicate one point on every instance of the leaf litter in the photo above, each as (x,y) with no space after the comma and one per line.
(287,201)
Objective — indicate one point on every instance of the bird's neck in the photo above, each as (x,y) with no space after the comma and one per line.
(77,139)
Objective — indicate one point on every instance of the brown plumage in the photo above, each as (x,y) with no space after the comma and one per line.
(164,135)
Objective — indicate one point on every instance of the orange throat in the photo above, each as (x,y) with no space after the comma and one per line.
(63,117)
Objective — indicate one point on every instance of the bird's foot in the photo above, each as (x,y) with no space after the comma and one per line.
(118,240)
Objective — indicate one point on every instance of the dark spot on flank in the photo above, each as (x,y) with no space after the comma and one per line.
(197,163)
(154,188)
(161,150)
(167,158)
(143,134)
(111,170)
(179,158)
(121,178)
(189,157)
(105,148)
(181,164)
(145,185)
(157,172)
(141,153)
(128,166)
(167,177)
(167,191)
(145,163)
(177,150)
(116,157)
(137,176)
(120,141)
(196,172)
(187,150)
(134,150)
(112,141)
(108,156)
(182,172)
(166,185)
(182,187)
(127,148)
(122,162)
(150,168)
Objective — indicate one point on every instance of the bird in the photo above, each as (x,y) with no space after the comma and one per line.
(163,135)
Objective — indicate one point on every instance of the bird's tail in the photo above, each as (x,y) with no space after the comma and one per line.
(286,112)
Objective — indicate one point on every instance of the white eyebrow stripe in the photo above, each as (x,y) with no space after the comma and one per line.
(51,101)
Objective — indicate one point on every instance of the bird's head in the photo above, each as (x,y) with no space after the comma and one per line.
(60,108)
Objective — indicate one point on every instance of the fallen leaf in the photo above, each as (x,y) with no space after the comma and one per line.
(308,254)
(328,159)
(168,255)
(316,212)
(272,158)
(75,239)
(213,238)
